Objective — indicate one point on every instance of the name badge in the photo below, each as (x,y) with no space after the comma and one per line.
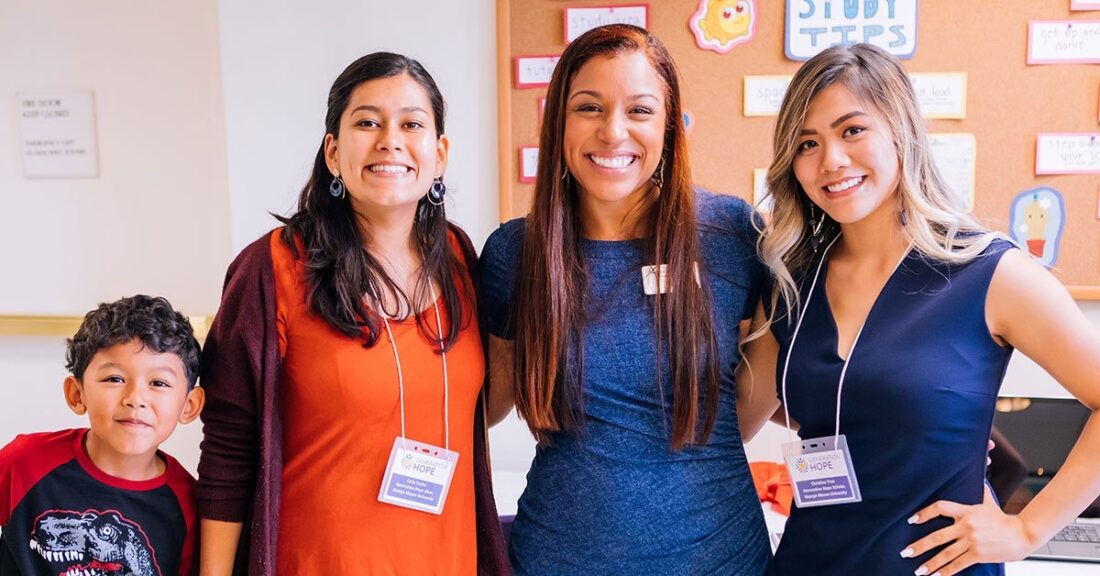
(821,472)
(655,278)
(418,476)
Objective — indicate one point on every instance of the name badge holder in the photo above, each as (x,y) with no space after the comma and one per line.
(418,475)
(821,469)
(655,278)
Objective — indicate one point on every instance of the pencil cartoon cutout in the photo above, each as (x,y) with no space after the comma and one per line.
(1037,220)
(1035,224)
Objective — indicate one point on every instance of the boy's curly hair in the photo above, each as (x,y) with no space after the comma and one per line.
(149,319)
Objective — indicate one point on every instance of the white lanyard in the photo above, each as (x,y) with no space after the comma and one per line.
(401,378)
(848,359)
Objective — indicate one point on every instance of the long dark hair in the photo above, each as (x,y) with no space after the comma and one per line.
(550,293)
(339,270)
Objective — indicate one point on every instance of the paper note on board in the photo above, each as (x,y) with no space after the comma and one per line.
(760,197)
(954,155)
(1067,153)
(528,163)
(940,95)
(532,71)
(581,20)
(1063,42)
(764,94)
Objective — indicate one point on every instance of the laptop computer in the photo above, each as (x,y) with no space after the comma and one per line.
(1042,431)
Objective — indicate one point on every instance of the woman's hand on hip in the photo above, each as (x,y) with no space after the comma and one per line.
(980,534)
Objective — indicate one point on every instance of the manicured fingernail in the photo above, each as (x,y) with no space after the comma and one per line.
(913,519)
(936,574)
(921,571)
(907,553)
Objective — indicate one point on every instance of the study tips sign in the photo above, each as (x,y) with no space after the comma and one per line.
(814,25)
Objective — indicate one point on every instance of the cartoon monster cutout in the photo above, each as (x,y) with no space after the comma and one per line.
(720,25)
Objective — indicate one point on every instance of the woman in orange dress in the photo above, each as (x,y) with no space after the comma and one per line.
(344,430)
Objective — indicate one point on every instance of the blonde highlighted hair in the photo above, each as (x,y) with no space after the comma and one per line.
(932,216)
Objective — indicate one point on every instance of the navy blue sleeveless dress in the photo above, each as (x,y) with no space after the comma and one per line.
(917,408)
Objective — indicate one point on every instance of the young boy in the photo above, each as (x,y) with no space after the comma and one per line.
(103,500)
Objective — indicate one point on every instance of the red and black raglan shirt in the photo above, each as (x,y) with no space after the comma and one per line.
(62,516)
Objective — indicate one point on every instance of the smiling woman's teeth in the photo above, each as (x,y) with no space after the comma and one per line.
(389,169)
(616,162)
(844,185)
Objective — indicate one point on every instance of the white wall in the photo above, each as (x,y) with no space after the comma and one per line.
(155,219)
(279,60)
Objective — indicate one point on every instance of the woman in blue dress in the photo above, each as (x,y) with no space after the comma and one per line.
(892,319)
(614,311)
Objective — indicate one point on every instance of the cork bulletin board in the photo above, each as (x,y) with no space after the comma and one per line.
(1011,109)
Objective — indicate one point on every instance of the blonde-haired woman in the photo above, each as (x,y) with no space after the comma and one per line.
(892,318)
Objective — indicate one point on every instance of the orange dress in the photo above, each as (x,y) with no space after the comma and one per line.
(341,410)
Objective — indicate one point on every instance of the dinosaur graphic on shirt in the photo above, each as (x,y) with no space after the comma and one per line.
(92,543)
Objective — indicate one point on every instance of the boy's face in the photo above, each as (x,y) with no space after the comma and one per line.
(133,397)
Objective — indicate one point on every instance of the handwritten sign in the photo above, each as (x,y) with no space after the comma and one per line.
(1063,42)
(58,134)
(1067,153)
(954,156)
(760,197)
(814,25)
(528,163)
(764,94)
(941,95)
(581,20)
(534,71)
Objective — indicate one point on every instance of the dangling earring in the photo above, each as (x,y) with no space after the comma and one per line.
(336,187)
(564,177)
(436,192)
(658,177)
(816,226)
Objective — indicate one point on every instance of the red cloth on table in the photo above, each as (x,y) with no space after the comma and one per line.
(773,485)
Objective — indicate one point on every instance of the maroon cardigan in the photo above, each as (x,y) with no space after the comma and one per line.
(241,465)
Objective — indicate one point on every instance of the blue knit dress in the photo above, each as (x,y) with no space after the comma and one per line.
(613,499)
(917,407)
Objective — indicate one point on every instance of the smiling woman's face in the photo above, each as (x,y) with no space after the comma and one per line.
(846,160)
(615,127)
(388,151)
